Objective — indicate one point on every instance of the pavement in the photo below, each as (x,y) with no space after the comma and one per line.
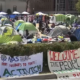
(40,77)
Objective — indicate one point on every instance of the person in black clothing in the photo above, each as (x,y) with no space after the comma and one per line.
(72,37)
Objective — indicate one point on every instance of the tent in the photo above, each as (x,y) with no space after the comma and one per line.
(8,34)
(77,33)
(15,12)
(59,30)
(25,12)
(27,26)
(18,22)
(6,22)
(40,13)
(4,13)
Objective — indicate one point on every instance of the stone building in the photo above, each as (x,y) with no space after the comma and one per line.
(13,5)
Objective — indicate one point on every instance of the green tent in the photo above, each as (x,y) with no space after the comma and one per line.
(18,22)
(27,26)
(60,17)
(6,22)
(7,34)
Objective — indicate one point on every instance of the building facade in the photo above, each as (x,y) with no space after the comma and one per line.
(52,6)
(65,6)
(13,5)
(55,6)
(42,5)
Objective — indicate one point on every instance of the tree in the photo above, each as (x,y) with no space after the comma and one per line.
(9,11)
(78,6)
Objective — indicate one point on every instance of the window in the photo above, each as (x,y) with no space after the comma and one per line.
(14,8)
(0,7)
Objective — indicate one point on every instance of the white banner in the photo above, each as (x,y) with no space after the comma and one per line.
(21,65)
(65,64)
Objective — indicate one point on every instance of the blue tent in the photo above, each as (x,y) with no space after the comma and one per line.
(77,34)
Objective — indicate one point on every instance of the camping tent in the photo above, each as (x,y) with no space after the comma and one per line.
(18,22)
(6,22)
(8,34)
(58,30)
(77,33)
(25,12)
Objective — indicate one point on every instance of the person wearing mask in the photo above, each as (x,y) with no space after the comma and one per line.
(72,37)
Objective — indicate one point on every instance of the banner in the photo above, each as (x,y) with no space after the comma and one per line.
(66,63)
(20,65)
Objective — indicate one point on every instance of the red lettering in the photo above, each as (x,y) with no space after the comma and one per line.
(4,64)
(15,65)
(24,64)
(30,63)
(56,56)
(75,54)
(77,74)
(74,75)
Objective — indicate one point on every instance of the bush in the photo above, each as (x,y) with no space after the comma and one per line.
(29,49)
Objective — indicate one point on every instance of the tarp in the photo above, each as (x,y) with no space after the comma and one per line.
(12,16)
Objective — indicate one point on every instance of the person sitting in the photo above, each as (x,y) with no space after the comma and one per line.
(72,37)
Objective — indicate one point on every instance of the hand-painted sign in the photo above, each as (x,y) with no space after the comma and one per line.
(68,60)
(20,65)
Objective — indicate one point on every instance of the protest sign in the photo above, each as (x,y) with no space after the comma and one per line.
(68,60)
(20,65)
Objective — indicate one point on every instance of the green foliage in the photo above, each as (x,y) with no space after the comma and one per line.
(78,6)
(29,49)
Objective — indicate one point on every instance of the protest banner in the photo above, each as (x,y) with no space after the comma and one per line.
(62,62)
(20,65)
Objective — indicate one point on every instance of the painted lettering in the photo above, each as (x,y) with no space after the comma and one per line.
(4,64)
(14,59)
(23,71)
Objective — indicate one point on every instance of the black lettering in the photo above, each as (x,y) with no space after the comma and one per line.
(25,71)
(61,65)
(77,63)
(31,69)
(39,67)
(66,65)
(19,70)
(74,64)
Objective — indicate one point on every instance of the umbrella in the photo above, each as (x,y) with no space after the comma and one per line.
(6,22)
(59,30)
(27,26)
(15,12)
(18,22)
(25,12)
(3,13)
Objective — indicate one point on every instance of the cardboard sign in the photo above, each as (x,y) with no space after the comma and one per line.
(20,65)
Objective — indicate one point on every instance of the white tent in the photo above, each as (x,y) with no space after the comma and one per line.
(25,12)
(15,12)
(3,13)
(40,13)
